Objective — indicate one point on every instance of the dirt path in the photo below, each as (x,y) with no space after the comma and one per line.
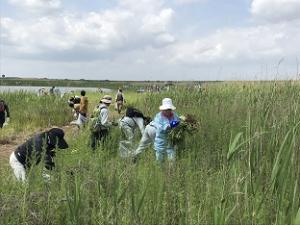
(9,145)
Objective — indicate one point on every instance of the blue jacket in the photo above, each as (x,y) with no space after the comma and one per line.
(162,125)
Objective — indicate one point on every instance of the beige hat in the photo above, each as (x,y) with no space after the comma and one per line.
(106,99)
(167,104)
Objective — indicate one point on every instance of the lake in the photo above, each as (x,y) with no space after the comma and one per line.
(62,90)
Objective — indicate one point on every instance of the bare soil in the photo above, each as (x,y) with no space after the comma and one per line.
(11,143)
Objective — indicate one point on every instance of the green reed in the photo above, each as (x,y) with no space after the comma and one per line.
(240,167)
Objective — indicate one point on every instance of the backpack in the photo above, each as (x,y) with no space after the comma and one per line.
(93,125)
(133,112)
(119,96)
(2,106)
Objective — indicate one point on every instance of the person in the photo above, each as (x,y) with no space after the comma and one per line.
(31,152)
(57,92)
(51,90)
(42,92)
(120,100)
(4,114)
(146,140)
(133,119)
(100,123)
(74,103)
(164,121)
(83,109)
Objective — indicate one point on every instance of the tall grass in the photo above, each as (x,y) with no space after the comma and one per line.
(241,167)
(29,112)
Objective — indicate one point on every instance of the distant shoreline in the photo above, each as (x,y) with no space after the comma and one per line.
(43,82)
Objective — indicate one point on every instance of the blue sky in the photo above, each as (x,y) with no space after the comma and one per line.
(150,39)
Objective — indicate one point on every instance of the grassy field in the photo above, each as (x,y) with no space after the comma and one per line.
(241,167)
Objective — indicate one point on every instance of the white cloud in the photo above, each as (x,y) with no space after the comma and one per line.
(40,6)
(87,36)
(276,10)
(184,2)
(157,23)
(164,39)
(142,6)
(239,45)
(135,34)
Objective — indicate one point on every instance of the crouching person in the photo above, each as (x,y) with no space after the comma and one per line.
(132,120)
(147,139)
(100,122)
(74,103)
(31,152)
(81,110)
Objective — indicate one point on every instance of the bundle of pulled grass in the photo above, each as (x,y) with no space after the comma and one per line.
(188,125)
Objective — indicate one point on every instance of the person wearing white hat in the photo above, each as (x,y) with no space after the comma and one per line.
(100,123)
(164,121)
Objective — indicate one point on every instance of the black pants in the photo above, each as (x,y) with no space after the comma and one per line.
(96,137)
(2,122)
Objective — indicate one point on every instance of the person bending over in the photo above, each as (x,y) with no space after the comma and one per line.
(34,149)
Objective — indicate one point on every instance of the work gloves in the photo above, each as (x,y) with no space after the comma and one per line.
(174,123)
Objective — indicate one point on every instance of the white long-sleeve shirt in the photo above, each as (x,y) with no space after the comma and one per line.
(103,117)
(133,122)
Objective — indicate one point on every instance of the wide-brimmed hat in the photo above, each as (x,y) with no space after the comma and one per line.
(106,99)
(167,104)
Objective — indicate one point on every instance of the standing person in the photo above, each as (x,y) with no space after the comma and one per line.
(100,124)
(83,109)
(164,121)
(120,100)
(51,91)
(4,119)
(33,150)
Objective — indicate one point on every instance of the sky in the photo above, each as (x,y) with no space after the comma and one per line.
(150,39)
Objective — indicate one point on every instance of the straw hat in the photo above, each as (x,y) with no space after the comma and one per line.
(167,104)
(106,99)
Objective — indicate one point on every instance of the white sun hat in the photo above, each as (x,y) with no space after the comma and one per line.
(167,104)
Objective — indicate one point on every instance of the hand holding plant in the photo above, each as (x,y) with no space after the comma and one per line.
(188,124)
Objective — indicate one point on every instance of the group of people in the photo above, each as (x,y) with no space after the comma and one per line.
(80,106)
(153,131)
(43,145)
